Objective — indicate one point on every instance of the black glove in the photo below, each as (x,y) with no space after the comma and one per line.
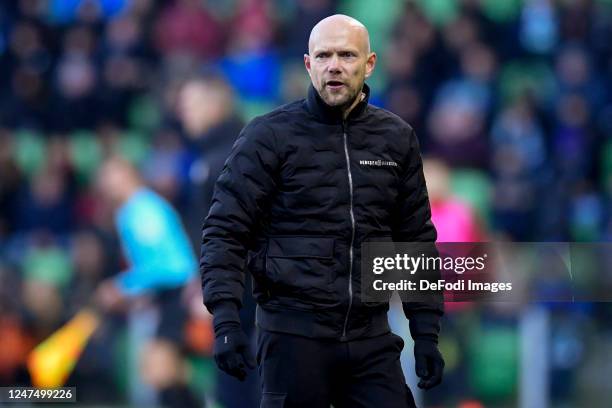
(232,346)
(429,362)
(424,328)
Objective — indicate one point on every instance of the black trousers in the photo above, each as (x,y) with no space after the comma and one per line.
(298,371)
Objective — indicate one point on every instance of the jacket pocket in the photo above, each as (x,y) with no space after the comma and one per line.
(302,270)
(385,247)
(256,260)
(256,266)
(273,400)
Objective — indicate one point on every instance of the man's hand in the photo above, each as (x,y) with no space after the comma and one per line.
(108,296)
(232,352)
(429,363)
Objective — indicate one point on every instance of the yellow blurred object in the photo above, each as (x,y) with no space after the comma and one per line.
(52,361)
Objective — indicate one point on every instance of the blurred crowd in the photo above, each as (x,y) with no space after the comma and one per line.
(511,100)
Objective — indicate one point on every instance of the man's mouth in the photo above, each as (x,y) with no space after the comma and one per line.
(334,85)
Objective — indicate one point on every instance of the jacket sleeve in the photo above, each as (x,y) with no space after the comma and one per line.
(413,224)
(240,200)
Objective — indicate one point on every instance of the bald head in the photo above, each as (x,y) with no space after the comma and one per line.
(339,25)
(339,60)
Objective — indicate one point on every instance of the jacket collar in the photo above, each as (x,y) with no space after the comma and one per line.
(331,114)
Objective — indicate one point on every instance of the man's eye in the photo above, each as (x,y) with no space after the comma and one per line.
(321,56)
(347,54)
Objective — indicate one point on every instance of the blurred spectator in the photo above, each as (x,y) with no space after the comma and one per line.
(457,123)
(251,54)
(184,26)
(298,23)
(539,26)
(45,204)
(518,160)
(75,99)
(15,338)
(67,11)
(206,110)
(93,258)
(455,221)
(92,262)
(10,181)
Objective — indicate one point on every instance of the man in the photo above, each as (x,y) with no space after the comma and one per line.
(205,109)
(161,262)
(298,197)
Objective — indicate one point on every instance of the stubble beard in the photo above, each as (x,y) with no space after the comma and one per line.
(340,103)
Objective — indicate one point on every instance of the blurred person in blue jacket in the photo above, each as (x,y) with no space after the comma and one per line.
(161,262)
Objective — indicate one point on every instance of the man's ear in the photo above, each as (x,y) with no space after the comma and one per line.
(370,64)
(307,62)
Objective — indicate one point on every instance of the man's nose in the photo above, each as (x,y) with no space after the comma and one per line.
(334,64)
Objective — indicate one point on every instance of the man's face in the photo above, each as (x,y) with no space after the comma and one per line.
(111,180)
(193,108)
(339,62)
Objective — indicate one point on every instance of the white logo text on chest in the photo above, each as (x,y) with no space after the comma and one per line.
(378,163)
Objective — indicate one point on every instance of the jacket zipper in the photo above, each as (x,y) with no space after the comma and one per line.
(350,181)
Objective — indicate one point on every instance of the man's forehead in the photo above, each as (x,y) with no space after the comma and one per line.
(339,31)
(335,40)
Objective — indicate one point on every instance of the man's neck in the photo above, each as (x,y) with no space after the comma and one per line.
(127,192)
(348,110)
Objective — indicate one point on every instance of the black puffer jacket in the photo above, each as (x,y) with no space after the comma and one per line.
(300,192)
